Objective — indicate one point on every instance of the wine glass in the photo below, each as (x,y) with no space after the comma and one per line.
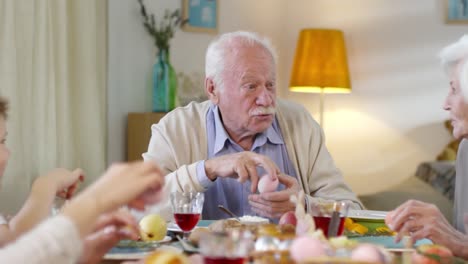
(187,208)
(324,212)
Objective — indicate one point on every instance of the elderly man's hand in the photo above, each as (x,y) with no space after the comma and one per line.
(242,166)
(423,220)
(275,204)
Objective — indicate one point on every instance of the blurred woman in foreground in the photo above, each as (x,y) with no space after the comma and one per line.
(89,225)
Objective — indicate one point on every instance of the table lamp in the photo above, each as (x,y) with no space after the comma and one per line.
(320,64)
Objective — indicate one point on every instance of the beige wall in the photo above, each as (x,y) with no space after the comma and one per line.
(378,134)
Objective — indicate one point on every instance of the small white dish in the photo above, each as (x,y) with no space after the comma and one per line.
(253,220)
(127,256)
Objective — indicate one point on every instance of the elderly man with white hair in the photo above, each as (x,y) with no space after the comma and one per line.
(422,220)
(222,146)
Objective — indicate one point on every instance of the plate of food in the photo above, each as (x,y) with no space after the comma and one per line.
(357,227)
(367,215)
(388,242)
(130,249)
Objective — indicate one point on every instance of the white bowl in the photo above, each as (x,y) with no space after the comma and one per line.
(253,220)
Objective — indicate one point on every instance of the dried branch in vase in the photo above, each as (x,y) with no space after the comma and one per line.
(162,31)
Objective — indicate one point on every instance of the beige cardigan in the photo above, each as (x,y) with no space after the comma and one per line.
(179,141)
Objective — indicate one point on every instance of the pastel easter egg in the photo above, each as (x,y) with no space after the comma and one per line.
(306,247)
(266,184)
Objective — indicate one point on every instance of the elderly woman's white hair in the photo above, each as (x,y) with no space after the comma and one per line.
(214,60)
(454,54)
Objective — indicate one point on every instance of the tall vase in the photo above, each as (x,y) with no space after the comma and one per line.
(164,83)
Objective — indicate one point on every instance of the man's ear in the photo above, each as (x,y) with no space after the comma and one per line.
(211,90)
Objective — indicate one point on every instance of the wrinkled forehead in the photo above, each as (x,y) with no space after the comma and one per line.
(237,51)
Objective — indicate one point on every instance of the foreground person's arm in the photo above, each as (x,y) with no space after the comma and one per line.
(59,240)
(54,241)
(38,204)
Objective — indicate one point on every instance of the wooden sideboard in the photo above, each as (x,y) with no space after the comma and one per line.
(139,133)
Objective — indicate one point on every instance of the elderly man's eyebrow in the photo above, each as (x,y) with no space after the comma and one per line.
(247,77)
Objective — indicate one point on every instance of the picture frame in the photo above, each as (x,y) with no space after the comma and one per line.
(201,16)
(456,11)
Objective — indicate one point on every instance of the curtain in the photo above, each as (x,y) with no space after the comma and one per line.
(53,72)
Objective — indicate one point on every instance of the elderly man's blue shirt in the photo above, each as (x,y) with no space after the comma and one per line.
(229,192)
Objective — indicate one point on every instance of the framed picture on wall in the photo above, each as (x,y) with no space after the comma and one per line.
(456,11)
(201,15)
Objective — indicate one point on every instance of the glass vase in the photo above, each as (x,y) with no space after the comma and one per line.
(164,83)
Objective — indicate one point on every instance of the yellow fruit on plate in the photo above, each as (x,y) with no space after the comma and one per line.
(348,222)
(152,228)
(357,228)
(165,257)
(384,230)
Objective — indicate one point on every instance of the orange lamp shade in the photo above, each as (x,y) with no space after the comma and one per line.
(320,63)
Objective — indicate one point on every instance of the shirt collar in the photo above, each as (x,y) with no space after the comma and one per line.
(220,133)
(221,136)
(271,135)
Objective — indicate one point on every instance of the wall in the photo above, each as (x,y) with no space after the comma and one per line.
(393,118)
(131,53)
(378,134)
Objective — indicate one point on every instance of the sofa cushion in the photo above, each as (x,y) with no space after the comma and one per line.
(412,188)
(440,175)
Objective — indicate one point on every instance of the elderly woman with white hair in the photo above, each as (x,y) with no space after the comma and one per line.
(422,220)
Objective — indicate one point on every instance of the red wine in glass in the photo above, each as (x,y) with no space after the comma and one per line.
(224,260)
(322,222)
(186,221)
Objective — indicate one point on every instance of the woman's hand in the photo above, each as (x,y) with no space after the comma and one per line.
(422,220)
(108,231)
(122,184)
(63,181)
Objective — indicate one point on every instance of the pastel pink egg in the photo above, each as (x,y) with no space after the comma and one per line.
(306,247)
(367,253)
(266,184)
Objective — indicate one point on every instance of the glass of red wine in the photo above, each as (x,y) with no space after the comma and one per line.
(329,216)
(187,208)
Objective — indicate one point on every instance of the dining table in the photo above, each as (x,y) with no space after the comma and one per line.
(371,219)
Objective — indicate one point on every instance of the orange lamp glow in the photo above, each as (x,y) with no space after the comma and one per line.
(320,64)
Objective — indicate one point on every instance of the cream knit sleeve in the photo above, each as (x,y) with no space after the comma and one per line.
(56,240)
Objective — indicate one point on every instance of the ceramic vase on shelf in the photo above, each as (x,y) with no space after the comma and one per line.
(164,83)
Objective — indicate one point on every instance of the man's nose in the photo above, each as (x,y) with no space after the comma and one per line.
(446,105)
(265,97)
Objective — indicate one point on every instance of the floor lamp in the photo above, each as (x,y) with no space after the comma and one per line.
(320,64)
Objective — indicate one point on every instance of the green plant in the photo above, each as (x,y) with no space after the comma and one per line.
(162,31)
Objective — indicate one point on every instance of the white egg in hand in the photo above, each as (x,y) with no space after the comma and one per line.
(266,184)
